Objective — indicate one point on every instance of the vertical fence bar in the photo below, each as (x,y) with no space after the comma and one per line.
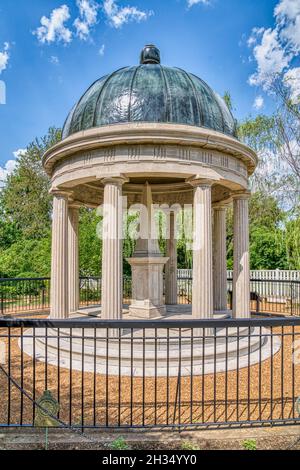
(203,372)
(82,379)
(8,379)
(192,376)
(107,379)
(282,372)
(131,377)
(215,374)
(271,365)
(58,368)
(226,375)
(249,375)
(293,369)
(260,376)
(168,374)
(143,379)
(238,375)
(155,378)
(22,376)
(33,372)
(71,378)
(95,378)
(120,370)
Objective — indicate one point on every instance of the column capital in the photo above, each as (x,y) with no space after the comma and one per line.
(116,180)
(195,181)
(219,206)
(241,194)
(63,193)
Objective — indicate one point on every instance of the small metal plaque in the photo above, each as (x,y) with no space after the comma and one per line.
(51,407)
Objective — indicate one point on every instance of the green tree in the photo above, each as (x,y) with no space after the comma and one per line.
(25,197)
(266,231)
(90,244)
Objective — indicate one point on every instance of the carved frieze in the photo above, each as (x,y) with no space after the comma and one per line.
(143,153)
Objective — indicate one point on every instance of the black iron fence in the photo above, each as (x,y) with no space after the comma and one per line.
(150,374)
(31,295)
(24,295)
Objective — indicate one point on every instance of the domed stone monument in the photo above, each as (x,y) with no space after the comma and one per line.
(158,135)
(143,136)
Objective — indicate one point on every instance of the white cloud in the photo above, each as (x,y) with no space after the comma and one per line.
(53,28)
(258,103)
(275,48)
(10,166)
(5,171)
(287,14)
(288,8)
(102,50)
(88,11)
(255,33)
(18,153)
(4,57)
(196,2)
(270,56)
(118,16)
(292,80)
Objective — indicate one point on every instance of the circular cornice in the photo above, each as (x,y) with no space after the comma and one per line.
(148,133)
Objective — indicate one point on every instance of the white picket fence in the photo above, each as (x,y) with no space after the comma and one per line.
(266,275)
(275,291)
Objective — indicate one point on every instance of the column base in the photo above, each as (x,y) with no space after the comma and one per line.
(144,311)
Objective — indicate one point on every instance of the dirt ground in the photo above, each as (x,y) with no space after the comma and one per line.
(278,438)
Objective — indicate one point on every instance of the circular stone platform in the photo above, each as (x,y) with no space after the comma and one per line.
(155,352)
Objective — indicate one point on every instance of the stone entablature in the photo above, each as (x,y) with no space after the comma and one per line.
(133,135)
(143,153)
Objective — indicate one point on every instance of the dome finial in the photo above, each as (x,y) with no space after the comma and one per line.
(150,55)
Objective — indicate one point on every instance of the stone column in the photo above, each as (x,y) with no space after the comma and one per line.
(219,258)
(202,250)
(112,243)
(73,255)
(59,257)
(171,266)
(241,269)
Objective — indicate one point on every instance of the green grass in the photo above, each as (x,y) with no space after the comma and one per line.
(119,444)
(249,444)
(187,445)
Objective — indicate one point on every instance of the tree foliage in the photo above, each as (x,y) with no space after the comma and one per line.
(25,199)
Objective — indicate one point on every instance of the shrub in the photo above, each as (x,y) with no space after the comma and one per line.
(119,444)
(250,444)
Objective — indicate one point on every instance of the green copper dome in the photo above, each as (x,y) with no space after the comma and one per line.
(153,93)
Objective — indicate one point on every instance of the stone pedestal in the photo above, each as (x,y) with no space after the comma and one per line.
(147,287)
(241,267)
(147,265)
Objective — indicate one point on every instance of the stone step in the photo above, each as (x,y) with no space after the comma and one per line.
(212,350)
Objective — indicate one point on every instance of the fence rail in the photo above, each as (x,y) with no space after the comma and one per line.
(151,374)
(30,295)
(261,274)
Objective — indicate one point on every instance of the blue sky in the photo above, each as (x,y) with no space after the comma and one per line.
(47,60)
